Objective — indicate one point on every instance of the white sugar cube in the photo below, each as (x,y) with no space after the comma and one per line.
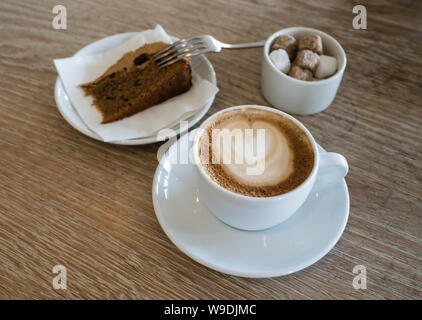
(281,60)
(327,66)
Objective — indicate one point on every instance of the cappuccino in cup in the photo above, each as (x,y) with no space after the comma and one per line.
(255,152)
(257,165)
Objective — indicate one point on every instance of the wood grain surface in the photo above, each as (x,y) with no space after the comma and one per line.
(67,199)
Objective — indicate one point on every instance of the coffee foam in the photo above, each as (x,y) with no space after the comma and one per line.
(287,152)
(273,161)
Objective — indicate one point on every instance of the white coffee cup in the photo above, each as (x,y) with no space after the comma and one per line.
(298,96)
(257,213)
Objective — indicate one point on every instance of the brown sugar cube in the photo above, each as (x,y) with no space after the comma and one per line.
(313,43)
(300,73)
(307,60)
(287,43)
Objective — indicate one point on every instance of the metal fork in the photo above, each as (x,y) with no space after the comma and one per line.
(194,46)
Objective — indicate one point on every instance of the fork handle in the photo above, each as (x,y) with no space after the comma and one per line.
(243,45)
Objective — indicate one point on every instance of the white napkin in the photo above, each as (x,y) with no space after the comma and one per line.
(74,71)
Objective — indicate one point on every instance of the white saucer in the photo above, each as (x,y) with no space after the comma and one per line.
(200,64)
(289,247)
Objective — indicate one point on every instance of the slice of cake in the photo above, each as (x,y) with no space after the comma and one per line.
(135,83)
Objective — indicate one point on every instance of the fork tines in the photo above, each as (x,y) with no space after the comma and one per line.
(178,50)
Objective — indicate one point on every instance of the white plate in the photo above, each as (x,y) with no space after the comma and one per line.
(289,247)
(200,64)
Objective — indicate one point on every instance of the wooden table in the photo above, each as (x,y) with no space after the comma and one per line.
(67,199)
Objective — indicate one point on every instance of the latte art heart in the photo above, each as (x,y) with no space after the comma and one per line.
(255,152)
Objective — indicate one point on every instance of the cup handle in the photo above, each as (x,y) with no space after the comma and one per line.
(332,168)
